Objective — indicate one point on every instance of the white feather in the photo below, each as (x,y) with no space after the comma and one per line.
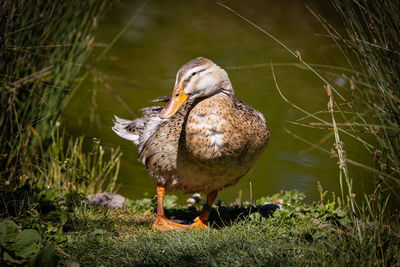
(119,128)
(217,140)
(211,125)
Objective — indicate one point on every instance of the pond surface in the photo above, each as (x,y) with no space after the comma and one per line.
(143,63)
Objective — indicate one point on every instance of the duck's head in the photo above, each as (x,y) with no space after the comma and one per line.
(197,78)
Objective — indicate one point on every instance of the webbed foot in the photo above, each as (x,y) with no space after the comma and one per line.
(163,224)
(199,224)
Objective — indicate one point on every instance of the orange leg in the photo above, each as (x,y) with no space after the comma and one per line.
(162,223)
(201,221)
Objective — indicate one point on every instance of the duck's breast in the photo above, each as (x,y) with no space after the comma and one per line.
(221,141)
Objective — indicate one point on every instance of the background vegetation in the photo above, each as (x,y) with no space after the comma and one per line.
(43,46)
(45,175)
(371,47)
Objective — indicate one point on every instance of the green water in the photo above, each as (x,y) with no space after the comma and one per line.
(143,63)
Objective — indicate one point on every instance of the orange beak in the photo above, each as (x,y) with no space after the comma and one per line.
(175,103)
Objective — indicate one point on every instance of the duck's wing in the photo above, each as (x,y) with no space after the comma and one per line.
(156,139)
(249,111)
(159,152)
(253,125)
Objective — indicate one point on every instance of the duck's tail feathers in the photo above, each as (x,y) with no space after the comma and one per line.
(126,129)
(140,129)
(161,99)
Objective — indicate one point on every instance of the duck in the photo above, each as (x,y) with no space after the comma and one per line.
(202,140)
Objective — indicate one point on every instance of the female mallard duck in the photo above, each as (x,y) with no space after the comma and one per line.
(202,140)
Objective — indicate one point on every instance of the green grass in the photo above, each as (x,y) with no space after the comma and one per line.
(42,50)
(299,234)
(68,166)
(247,233)
(43,47)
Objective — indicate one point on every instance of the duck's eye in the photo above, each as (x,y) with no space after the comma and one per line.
(177,94)
(193,73)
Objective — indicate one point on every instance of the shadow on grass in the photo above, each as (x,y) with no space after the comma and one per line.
(115,220)
(221,216)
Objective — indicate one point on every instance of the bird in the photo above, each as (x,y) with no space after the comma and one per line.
(202,140)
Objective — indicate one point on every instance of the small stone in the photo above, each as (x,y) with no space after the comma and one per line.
(108,200)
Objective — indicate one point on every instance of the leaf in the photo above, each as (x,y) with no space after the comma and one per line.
(255,217)
(27,243)
(170,201)
(46,257)
(63,218)
(3,233)
(340,213)
(9,259)
(8,231)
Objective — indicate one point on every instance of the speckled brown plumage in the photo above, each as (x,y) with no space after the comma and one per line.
(210,143)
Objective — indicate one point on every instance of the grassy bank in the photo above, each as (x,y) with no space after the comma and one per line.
(43,47)
(61,230)
(242,234)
